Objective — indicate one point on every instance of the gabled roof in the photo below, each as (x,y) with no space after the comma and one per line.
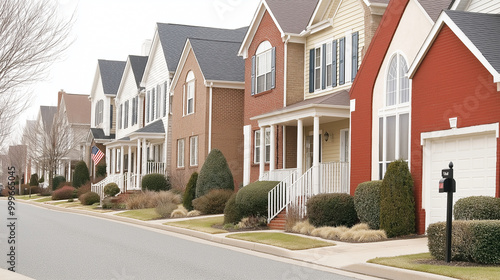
(434,7)
(98,134)
(219,60)
(138,65)
(479,32)
(111,75)
(173,37)
(78,108)
(47,114)
(156,127)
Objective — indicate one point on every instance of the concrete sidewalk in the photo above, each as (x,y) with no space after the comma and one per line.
(350,257)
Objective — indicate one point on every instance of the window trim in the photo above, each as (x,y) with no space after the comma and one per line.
(266,50)
(126,115)
(193,151)
(267,146)
(180,153)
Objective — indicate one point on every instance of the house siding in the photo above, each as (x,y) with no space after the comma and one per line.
(330,149)
(484,6)
(446,70)
(295,74)
(128,92)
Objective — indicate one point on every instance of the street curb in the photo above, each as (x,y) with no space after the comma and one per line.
(388,272)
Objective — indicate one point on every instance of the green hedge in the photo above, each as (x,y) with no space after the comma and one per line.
(472,241)
(81,174)
(251,200)
(367,203)
(331,209)
(89,198)
(214,174)
(477,208)
(155,182)
(231,212)
(111,189)
(213,202)
(190,192)
(56,182)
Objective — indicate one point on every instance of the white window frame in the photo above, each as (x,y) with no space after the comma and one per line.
(190,94)
(318,75)
(263,55)
(126,114)
(267,140)
(328,75)
(193,151)
(180,153)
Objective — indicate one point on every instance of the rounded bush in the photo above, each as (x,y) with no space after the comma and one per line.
(367,203)
(89,198)
(190,192)
(477,208)
(213,202)
(56,182)
(251,200)
(34,179)
(81,174)
(214,174)
(397,205)
(65,192)
(155,182)
(111,189)
(331,209)
(101,170)
(231,213)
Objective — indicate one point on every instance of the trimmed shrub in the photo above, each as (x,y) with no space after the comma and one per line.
(190,192)
(251,200)
(397,205)
(83,189)
(81,174)
(472,241)
(89,198)
(57,182)
(367,203)
(155,182)
(111,189)
(165,209)
(149,199)
(180,212)
(214,174)
(34,179)
(101,170)
(34,189)
(65,192)
(477,208)
(231,212)
(331,209)
(112,202)
(213,202)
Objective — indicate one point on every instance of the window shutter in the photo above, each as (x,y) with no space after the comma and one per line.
(273,67)
(147,106)
(334,63)
(323,67)
(110,116)
(342,61)
(253,75)
(311,70)
(355,41)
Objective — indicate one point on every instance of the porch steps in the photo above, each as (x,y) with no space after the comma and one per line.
(278,223)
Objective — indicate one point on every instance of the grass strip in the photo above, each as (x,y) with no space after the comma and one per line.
(27,197)
(44,199)
(141,214)
(202,224)
(283,240)
(413,262)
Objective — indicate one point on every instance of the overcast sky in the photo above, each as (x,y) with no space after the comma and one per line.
(114,29)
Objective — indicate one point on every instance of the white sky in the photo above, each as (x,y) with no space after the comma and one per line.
(114,29)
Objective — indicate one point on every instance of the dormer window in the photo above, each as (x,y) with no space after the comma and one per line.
(263,68)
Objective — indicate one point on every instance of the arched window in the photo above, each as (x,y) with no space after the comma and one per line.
(394,118)
(189,93)
(99,108)
(263,68)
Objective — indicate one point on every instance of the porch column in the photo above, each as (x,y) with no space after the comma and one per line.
(262,145)
(138,163)
(113,161)
(69,171)
(108,160)
(144,156)
(129,164)
(300,145)
(316,156)
(272,162)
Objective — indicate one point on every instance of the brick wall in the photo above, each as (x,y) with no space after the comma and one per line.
(295,73)
(450,82)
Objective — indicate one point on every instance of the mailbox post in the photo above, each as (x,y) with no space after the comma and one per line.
(447,185)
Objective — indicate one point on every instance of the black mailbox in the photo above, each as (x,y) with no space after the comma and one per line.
(447,185)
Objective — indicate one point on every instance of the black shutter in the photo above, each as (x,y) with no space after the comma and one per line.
(323,67)
(355,43)
(311,70)
(334,63)
(342,61)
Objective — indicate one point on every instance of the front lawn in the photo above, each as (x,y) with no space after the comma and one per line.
(283,240)
(422,262)
(202,224)
(141,214)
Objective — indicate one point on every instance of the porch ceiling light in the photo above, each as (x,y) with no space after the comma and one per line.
(327,136)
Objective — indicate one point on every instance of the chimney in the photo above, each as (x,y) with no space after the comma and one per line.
(146,47)
(59,97)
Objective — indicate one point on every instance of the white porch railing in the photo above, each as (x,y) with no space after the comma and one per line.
(155,167)
(99,186)
(325,178)
(277,174)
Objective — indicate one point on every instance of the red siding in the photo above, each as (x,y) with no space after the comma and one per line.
(270,100)
(450,82)
(362,91)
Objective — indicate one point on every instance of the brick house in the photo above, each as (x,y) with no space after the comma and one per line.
(207,89)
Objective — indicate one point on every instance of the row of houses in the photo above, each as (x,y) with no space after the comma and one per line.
(320,95)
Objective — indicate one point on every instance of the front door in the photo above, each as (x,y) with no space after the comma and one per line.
(310,150)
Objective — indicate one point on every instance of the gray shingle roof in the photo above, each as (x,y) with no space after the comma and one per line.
(435,7)
(98,133)
(482,30)
(111,75)
(156,127)
(219,60)
(47,113)
(292,15)
(340,98)
(173,38)
(138,64)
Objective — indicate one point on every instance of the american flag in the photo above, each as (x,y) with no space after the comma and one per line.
(97,155)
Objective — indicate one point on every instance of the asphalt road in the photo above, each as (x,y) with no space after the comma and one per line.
(58,245)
